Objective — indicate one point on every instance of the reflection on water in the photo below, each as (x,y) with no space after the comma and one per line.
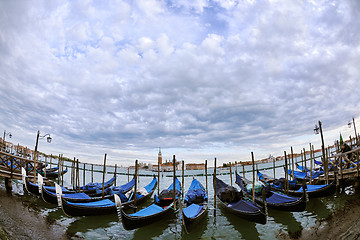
(318,207)
(154,230)
(246,229)
(288,221)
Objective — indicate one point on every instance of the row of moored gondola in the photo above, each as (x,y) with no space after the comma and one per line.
(99,199)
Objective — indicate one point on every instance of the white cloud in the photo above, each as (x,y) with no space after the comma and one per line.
(214,77)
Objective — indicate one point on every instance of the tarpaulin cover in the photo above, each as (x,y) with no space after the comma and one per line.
(150,210)
(244,205)
(95,204)
(312,188)
(192,210)
(280,198)
(196,191)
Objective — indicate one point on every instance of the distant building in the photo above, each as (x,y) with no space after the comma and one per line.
(195,166)
(159,157)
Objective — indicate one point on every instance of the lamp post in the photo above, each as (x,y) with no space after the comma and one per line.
(317,130)
(48,139)
(6,134)
(349,124)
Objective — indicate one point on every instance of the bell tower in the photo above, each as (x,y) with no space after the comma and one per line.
(159,157)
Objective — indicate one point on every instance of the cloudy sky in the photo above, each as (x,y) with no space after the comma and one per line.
(200,79)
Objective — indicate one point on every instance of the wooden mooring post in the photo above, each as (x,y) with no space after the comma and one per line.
(174,182)
(230,174)
(115,174)
(183,179)
(214,182)
(136,181)
(253,171)
(292,163)
(103,180)
(206,176)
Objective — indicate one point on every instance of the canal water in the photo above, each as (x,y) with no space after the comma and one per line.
(218,224)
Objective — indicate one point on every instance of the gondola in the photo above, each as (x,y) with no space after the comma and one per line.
(90,188)
(56,174)
(312,190)
(107,206)
(305,174)
(233,201)
(50,197)
(196,200)
(48,170)
(161,207)
(274,199)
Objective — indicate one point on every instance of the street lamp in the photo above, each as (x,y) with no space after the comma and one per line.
(48,139)
(6,134)
(349,124)
(317,130)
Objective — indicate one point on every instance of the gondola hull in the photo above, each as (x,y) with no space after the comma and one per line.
(105,206)
(243,208)
(312,191)
(162,207)
(258,216)
(132,222)
(192,221)
(196,200)
(276,200)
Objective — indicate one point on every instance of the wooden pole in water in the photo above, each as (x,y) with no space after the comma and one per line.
(253,170)
(174,188)
(36,155)
(62,175)
(158,182)
(136,180)
(77,175)
(92,172)
(214,183)
(115,173)
(325,163)
(243,167)
(293,165)
(305,163)
(45,167)
(311,162)
(59,169)
(183,180)
(50,160)
(274,159)
(128,174)
(230,173)
(84,175)
(302,159)
(286,174)
(103,182)
(73,174)
(206,177)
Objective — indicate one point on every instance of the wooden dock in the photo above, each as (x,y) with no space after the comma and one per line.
(344,166)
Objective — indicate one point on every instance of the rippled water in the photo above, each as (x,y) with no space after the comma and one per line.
(218,223)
